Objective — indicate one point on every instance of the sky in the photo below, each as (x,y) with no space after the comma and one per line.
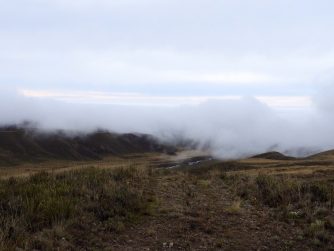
(170,58)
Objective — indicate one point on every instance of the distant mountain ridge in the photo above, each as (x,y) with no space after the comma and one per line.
(23,144)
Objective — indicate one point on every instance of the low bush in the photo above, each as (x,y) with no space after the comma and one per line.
(277,191)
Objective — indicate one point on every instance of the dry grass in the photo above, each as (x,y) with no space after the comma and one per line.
(210,205)
(59,166)
(112,198)
(235,207)
(307,203)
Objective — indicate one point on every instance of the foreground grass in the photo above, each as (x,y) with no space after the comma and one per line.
(304,204)
(307,204)
(198,208)
(108,198)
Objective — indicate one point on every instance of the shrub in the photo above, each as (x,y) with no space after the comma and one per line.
(276,192)
(321,192)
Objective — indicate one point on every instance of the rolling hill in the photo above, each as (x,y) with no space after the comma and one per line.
(273,156)
(23,144)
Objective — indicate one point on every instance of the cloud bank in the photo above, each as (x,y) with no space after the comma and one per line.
(232,128)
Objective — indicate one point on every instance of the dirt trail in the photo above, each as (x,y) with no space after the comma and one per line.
(195,214)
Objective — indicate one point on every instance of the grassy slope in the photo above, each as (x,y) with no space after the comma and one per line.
(254,204)
(21,145)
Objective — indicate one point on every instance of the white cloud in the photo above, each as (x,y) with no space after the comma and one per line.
(138,99)
(90,69)
(234,126)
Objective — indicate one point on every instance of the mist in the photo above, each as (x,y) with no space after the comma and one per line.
(228,128)
(162,49)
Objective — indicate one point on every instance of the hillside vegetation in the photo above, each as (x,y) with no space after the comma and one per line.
(254,204)
(21,144)
(46,212)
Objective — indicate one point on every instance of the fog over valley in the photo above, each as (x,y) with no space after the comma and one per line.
(230,127)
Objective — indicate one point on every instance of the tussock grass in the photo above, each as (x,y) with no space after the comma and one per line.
(235,207)
(309,203)
(111,197)
(282,191)
(277,191)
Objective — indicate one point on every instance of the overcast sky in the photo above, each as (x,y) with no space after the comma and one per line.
(166,47)
(167,53)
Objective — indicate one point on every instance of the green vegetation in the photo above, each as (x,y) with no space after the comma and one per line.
(110,198)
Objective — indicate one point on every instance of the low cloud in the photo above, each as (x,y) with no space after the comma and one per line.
(231,128)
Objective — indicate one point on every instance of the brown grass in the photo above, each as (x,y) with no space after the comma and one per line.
(112,198)
(122,204)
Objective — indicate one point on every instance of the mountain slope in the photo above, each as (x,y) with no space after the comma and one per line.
(273,156)
(23,144)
